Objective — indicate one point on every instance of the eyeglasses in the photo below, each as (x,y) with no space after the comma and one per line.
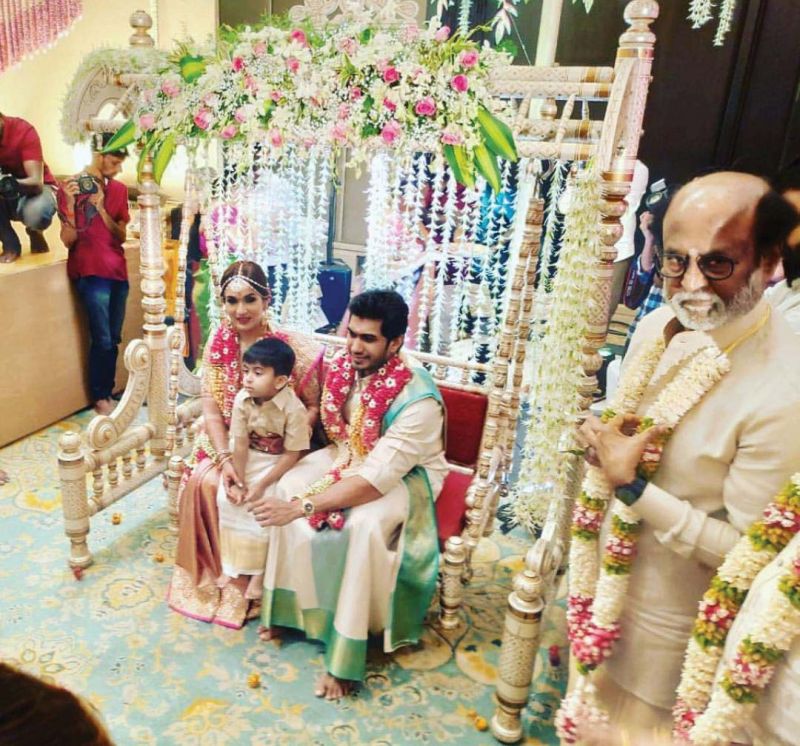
(713,266)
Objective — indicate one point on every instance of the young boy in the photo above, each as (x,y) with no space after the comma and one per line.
(269,430)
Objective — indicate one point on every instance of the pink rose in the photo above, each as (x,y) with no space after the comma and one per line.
(276,96)
(275,138)
(391,75)
(203,119)
(147,121)
(260,48)
(242,114)
(348,46)
(355,93)
(340,133)
(251,83)
(443,34)
(452,138)
(469,58)
(299,36)
(425,107)
(391,131)
(459,83)
(170,87)
(344,111)
(237,63)
(293,64)
(389,104)
(309,142)
(229,131)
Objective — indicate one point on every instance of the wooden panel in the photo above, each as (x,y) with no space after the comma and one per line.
(44,346)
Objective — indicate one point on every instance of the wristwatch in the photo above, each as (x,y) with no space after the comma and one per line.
(308,507)
(631,492)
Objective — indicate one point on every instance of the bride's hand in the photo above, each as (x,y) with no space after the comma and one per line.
(230,478)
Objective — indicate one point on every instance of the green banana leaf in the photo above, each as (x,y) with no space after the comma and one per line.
(123,137)
(460,163)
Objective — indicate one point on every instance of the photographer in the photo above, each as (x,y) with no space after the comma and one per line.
(93,207)
(27,188)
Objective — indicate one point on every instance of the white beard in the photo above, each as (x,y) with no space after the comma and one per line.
(715,313)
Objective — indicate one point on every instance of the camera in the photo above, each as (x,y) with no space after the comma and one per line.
(9,188)
(86,184)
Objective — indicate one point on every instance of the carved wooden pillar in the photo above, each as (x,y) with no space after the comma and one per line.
(154,305)
(518,653)
(618,148)
(74,500)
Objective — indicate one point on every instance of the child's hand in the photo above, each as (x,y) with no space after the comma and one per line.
(237,494)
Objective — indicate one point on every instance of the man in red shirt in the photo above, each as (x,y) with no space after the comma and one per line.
(93,207)
(27,188)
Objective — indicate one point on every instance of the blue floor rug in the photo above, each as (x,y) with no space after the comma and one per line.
(159,678)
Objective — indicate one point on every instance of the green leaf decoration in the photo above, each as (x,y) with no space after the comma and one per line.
(268,107)
(486,163)
(460,162)
(123,137)
(365,35)
(162,155)
(497,135)
(192,67)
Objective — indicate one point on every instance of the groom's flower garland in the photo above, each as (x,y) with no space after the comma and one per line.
(696,720)
(359,437)
(594,605)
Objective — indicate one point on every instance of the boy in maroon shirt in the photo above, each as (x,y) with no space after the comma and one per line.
(27,188)
(93,207)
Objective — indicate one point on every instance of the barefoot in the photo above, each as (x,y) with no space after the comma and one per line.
(104,406)
(255,588)
(265,634)
(222,581)
(333,689)
(4,478)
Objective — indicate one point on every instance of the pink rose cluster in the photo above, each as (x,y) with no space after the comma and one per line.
(426,107)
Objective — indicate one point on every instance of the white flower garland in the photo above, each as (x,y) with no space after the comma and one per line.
(555,398)
(704,713)
(772,632)
(594,609)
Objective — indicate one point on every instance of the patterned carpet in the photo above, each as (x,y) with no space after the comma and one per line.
(158,678)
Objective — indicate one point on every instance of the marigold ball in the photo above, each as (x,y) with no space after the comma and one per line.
(254,681)
(116,519)
(158,557)
(481,724)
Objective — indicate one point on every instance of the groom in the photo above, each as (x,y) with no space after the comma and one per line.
(376,572)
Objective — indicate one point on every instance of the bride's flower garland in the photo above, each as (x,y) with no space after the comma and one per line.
(594,605)
(696,720)
(358,438)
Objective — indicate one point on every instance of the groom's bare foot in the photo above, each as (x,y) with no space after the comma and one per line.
(265,634)
(331,688)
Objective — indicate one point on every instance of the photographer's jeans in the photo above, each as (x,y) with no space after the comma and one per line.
(36,213)
(104,301)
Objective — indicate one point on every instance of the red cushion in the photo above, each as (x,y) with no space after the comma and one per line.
(451,507)
(465,415)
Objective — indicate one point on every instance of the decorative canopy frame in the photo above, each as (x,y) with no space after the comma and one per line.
(490,271)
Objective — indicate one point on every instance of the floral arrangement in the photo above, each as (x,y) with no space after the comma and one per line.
(357,438)
(144,60)
(597,594)
(348,84)
(703,717)
(557,381)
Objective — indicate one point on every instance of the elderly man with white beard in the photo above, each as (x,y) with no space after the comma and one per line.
(730,450)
